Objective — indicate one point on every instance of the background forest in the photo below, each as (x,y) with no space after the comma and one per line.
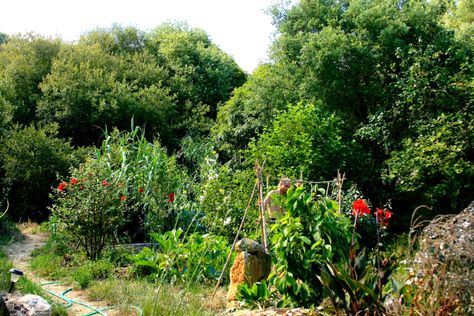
(380,90)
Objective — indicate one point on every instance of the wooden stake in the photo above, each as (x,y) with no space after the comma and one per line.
(235,240)
(262,206)
(340,181)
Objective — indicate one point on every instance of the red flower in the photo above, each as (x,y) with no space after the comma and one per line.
(62,186)
(105,183)
(123,198)
(379,213)
(73,181)
(383,216)
(170,197)
(141,190)
(359,208)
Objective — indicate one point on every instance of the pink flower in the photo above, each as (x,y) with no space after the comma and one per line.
(105,183)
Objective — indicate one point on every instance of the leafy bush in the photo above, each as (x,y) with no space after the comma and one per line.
(126,189)
(311,234)
(257,295)
(31,158)
(302,140)
(195,258)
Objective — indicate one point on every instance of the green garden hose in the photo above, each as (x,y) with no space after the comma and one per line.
(70,302)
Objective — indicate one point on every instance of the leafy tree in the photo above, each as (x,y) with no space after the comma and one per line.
(31,159)
(116,40)
(302,140)
(24,62)
(200,74)
(3,38)
(251,108)
(436,167)
(89,89)
(460,18)
(386,68)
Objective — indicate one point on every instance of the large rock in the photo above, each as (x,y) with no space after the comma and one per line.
(28,305)
(252,264)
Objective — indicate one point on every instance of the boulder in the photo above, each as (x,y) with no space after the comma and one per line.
(28,305)
(252,264)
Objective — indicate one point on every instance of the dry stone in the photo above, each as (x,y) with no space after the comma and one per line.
(252,264)
(27,305)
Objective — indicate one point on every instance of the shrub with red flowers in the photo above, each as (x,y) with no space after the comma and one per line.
(89,211)
(357,285)
(126,189)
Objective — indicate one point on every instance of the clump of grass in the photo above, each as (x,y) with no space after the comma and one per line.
(440,278)
(158,299)
(9,232)
(90,271)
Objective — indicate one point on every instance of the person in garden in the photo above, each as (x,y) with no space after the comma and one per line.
(274,202)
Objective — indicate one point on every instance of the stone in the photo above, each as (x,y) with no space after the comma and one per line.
(28,305)
(252,264)
(249,246)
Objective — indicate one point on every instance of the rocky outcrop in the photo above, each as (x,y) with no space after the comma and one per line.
(252,264)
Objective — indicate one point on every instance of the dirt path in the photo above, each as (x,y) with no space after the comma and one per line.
(20,254)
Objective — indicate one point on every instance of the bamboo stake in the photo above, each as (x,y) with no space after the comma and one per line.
(340,181)
(262,207)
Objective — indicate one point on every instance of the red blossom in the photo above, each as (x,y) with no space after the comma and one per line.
(73,181)
(170,197)
(383,216)
(123,198)
(141,190)
(105,183)
(62,186)
(379,213)
(359,208)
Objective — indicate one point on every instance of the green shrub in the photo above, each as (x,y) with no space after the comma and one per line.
(31,158)
(90,271)
(311,233)
(196,258)
(124,191)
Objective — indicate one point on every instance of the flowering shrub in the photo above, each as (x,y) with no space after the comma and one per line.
(125,191)
(88,210)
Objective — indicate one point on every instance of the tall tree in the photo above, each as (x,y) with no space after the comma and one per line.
(24,62)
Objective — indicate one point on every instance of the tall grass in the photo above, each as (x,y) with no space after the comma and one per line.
(154,299)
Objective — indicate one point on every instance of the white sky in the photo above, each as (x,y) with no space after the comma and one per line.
(241,28)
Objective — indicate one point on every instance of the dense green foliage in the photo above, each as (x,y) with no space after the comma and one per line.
(181,258)
(169,80)
(121,191)
(311,234)
(390,73)
(32,159)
